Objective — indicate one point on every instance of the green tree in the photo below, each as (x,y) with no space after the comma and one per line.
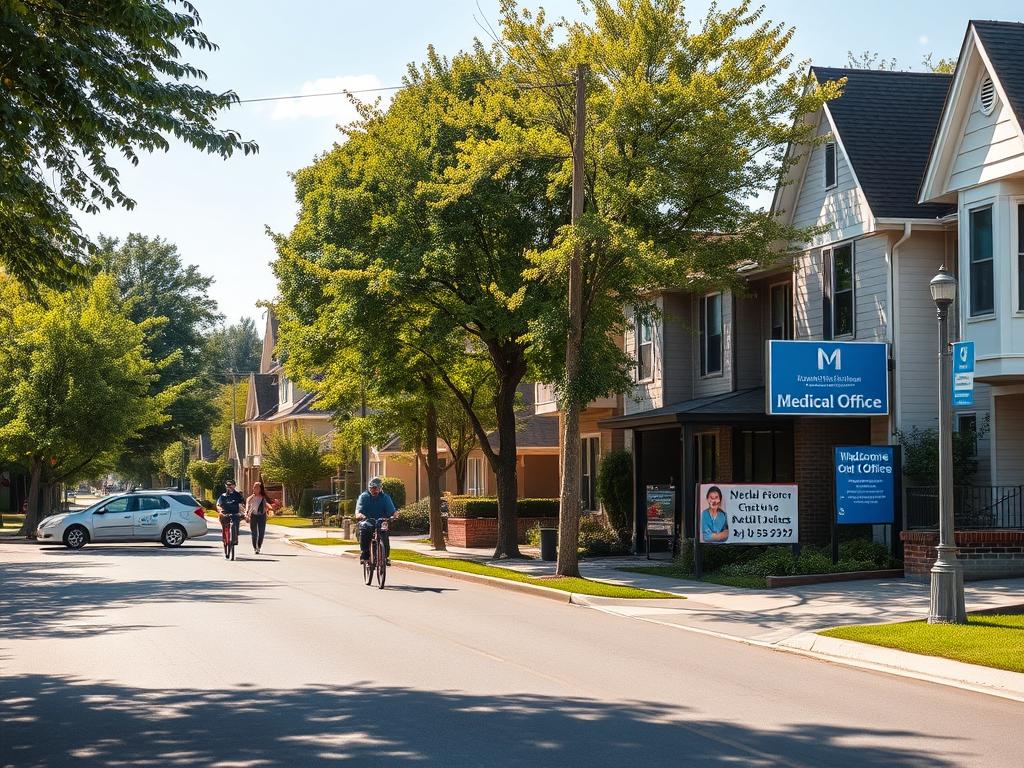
(175,461)
(684,125)
(615,489)
(230,405)
(82,81)
(236,348)
(74,384)
(171,302)
(943,65)
(208,475)
(921,454)
(295,460)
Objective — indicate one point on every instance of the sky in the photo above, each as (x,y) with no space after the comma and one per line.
(218,211)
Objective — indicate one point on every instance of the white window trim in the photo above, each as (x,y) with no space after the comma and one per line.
(792,301)
(482,477)
(591,436)
(853,287)
(989,203)
(835,161)
(637,343)
(702,337)
(1017,241)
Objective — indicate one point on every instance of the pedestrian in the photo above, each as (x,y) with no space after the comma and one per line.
(257,507)
(228,504)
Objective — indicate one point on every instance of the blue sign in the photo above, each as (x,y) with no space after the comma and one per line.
(828,378)
(866,485)
(963,373)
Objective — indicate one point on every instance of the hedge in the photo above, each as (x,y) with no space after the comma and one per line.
(481,506)
(394,488)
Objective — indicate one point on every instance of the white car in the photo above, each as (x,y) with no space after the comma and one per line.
(168,517)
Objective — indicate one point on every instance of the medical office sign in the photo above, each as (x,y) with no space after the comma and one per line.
(827,378)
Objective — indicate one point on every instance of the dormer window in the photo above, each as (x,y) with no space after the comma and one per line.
(283,390)
(830,165)
(987,96)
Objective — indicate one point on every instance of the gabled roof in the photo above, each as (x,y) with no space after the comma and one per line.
(531,432)
(263,397)
(303,407)
(1004,44)
(205,448)
(237,448)
(885,121)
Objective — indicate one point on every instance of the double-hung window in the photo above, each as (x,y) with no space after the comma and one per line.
(782,311)
(644,348)
(1020,256)
(842,290)
(711,334)
(982,284)
(475,477)
(967,423)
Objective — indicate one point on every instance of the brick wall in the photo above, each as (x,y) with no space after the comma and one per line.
(483,531)
(813,442)
(985,554)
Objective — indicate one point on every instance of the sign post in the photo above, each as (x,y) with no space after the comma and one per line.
(866,484)
(963,373)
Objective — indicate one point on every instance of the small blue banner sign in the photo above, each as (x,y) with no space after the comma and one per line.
(963,373)
(828,378)
(865,484)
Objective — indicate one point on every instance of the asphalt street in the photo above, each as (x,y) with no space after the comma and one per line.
(135,655)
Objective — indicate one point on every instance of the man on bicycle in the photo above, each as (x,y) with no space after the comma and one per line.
(229,504)
(373,505)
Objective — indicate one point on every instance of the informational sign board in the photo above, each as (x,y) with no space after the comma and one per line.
(865,481)
(765,513)
(661,510)
(827,378)
(963,373)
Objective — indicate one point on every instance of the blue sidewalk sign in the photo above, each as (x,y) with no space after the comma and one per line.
(828,378)
(866,484)
(963,373)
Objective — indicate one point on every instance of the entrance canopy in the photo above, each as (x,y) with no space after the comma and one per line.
(741,406)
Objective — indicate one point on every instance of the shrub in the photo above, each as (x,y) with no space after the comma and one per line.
(615,488)
(921,454)
(813,560)
(533,535)
(482,506)
(865,551)
(597,539)
(305,508)
(394,488)
(714,557)
(414,517)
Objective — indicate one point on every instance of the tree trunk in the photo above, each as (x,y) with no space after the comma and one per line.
(504,466)
(460,474)
(28,527)
(434,480)
(569,504)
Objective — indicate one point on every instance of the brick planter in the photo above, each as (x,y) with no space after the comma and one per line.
(483,531)
(985,554)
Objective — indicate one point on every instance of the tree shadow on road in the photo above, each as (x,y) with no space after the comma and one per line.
(37,599)
(53,721)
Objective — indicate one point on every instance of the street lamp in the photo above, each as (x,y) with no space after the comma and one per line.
(947,581)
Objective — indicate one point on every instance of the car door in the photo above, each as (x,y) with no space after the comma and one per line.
(149,517)
(113,520)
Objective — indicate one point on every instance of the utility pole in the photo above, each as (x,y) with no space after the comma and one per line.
(364,458)
(569,512)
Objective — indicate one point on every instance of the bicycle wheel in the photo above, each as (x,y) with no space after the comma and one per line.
(382,565)
(368,569)
(225,534)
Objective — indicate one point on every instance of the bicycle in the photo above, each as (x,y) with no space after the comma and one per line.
(229,534)
(377,563)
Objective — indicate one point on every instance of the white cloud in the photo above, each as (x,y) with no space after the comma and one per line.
(338,108)
(923,40)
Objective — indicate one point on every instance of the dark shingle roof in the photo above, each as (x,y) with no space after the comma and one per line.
(1004,44)
(266,393)
(532,432)
(239,442)
(206,452)
(743,404)
(886,121)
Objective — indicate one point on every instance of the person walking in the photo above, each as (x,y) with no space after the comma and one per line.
(257,507)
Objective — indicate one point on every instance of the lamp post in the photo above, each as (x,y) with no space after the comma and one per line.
(947,580)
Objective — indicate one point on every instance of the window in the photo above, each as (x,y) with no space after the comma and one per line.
(763,456)
(475,477)
(711,334)
(147,503)
(830,165)
(1020,257)
(842,290)
(187,499)
(589,456)
(968,422)
(644,349)
(707,457)
(282,389)
(782,311)
(376,468)
(982,288)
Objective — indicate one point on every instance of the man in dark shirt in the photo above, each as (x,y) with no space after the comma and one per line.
(230,503)
(372,505)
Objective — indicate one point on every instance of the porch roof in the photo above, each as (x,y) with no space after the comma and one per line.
(742,405)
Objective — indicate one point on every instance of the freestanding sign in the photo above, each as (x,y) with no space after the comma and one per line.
(765,513)
(866,484)
(828,378)
(963,373)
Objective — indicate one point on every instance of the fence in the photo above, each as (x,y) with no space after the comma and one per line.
(975,507)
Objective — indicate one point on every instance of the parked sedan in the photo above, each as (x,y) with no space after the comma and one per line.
(162,516)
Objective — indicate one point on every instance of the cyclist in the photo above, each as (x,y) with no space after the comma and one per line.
(373,505)
(229,504)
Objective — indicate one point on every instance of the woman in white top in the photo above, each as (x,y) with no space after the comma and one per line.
(257,506)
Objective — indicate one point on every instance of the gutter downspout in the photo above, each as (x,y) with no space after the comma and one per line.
(892,328)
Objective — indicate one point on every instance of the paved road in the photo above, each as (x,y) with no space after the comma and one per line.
(136,655)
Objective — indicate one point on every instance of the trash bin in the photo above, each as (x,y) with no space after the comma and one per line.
(548,543)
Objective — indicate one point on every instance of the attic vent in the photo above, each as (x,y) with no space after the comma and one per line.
(987,95)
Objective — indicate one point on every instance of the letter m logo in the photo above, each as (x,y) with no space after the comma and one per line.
(824,358)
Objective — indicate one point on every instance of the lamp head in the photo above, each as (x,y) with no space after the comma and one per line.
(943,288)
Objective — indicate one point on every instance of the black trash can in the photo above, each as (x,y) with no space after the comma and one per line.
(548,543)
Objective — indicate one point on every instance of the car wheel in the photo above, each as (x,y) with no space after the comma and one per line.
(173,536)
(75,537)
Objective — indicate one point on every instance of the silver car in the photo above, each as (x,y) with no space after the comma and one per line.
(166,516)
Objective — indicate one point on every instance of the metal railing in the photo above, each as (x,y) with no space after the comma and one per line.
(975,507)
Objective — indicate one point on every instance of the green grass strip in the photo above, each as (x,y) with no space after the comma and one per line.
(679,574)
(565,584)
(322,542)
(989,640)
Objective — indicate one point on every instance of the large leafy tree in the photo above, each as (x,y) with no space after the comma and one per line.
(685,124)
(171,301)
(74,384)
(234,351)
(295,460)
(81,82)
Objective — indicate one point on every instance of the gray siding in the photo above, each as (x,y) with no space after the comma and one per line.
(646,395)
(1009,437)
(871,287)
(680,342)
(705,386)
(753,327)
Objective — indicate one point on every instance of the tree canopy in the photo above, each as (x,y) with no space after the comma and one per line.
(235,349)
(295,460)
(82,82)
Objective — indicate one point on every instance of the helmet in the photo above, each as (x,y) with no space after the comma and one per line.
(375,483)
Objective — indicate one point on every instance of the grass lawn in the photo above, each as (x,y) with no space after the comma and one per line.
(675,572)
(322,542)
(993,640)
(579,586)
(290,521)
(11,521)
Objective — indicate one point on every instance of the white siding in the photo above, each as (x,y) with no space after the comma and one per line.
(1009,436)
(807,288)
(843,207)
(986,142)
(871,287)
